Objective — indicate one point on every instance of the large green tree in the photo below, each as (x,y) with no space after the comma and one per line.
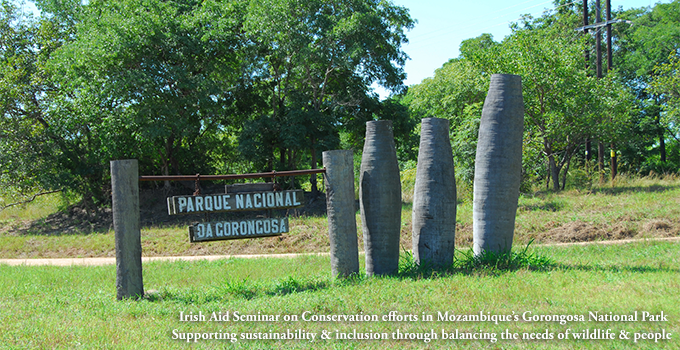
(315,62)
(651,39)
(162,75)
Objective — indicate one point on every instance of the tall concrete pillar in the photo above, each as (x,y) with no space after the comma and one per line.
(341,212)
(380,199)
(498,165)
(434,196)
(125,191)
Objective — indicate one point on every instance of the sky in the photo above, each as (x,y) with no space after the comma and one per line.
(444,24)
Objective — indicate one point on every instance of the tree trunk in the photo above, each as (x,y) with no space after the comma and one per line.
(662,145)
(566,170)
(554,172)
(498,165)
(434,196)
(600,160)
(380,199)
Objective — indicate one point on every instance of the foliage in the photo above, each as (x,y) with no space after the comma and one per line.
(184,86)
(315,64)
(642,50)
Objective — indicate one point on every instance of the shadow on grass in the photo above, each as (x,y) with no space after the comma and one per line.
(631,189)
(241,290)
(547,206)
(603,268)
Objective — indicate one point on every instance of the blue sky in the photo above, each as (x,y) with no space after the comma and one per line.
(443,25)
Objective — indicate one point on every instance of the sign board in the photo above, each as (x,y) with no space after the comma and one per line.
(218,203)
(248,228)
(239,201)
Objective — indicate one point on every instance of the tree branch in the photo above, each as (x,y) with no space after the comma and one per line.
(3,207)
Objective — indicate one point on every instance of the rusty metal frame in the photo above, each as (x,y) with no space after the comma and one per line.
(199,177)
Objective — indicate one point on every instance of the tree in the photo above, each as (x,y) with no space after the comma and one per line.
(164,73)
(642,46)
(316,61)
(456,92)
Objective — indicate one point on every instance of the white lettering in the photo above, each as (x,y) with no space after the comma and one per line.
(257,200)
(288,201)
(279,199)
(249,202)
(219,230)
(209,203)
(182,204)
(225,200)
(199,203)
(270,199)
(295,201)
(239,201)
(190,205)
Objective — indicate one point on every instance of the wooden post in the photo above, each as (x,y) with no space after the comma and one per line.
(125,191)
(380,199)
(340,207)
(498,165)
(434,196)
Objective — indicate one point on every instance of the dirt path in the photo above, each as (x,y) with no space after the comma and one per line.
(112,261)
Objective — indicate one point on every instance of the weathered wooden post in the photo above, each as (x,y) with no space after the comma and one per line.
(125,191)
(380,199)
(342,223)
(498,165)
(434,196)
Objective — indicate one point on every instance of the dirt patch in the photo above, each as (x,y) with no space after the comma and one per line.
(661,228)
(579,231)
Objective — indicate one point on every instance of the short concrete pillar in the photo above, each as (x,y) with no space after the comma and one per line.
(380,199)
(341,212)
(498,166)
(434,196)
(125,191)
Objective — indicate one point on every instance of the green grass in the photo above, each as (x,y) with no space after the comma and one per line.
(632,208)
(75,307)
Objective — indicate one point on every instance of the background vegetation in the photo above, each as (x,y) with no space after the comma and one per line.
(232,86)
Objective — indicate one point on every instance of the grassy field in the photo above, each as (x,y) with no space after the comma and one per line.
(632,208)
(75,307)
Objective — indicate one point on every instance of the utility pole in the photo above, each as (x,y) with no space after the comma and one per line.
(610,65)
(586,53)
(598,69)
(598,49)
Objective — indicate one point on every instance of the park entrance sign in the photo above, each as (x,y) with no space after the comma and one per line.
(216,203)
(226,202)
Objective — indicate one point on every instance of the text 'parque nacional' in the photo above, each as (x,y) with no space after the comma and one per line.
(216,203)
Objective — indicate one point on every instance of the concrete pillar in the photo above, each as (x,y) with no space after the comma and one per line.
(340,208)
(380,199)
(125,191)
(434,196)
(498,165)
